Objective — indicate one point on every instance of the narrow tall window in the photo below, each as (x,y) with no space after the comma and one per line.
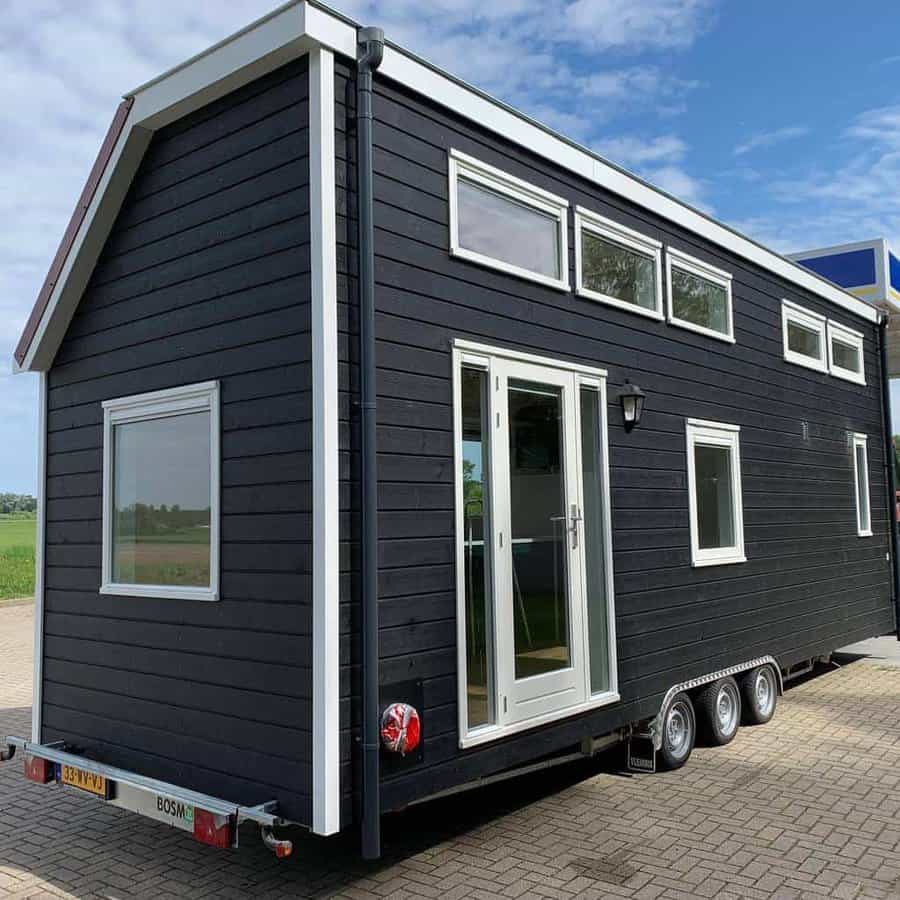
(475,477)
(161,494)
(505,223)
(714,489)
(861,483)
(699,296)
(845,353)
(616,265)
(803,335)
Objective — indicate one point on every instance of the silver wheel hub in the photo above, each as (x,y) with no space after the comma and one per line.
(678,731)
(726,709)
(764,691)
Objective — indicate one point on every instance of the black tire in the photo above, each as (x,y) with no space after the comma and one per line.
(719,710)
(679,733)
(759,692)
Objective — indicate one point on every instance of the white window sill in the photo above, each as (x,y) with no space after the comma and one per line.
(817,365)
(847,375)
(700,329)
(488,262)
(160,592)
(863,534)
(588,294)
(720,561)
(495,732)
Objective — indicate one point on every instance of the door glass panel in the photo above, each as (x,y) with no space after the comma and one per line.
(476,519)
(539,521)
(591,450)
(715,502)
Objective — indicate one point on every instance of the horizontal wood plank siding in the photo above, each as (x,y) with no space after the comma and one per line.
(810,584)
(205,276)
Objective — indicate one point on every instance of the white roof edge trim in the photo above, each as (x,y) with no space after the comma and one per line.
(295,27)
(836,249)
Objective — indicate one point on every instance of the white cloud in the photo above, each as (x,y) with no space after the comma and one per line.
(765,139)
(631,152)
(64,66)
(855,198)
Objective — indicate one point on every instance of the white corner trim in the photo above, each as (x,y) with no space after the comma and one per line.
(793,313)
(852,338)
(677,259)
(37,693)
(326,503)
(726,436)
(176,401)
(522,193)
(627,238)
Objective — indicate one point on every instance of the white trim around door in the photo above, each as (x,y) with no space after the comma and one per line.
(37,695)
(535,595)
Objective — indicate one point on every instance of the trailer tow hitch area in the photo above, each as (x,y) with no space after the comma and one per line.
(282,849)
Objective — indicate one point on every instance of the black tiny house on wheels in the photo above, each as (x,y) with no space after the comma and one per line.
(360,388)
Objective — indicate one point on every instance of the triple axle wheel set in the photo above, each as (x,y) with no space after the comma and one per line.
(715,711)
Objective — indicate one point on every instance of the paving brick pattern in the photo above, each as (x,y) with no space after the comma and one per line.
(805,807)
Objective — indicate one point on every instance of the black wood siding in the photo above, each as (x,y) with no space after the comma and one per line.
(810,584)
(205,276)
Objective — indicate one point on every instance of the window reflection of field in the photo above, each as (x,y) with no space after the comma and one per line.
(178,558)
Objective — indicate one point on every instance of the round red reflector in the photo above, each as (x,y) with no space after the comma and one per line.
(401,728)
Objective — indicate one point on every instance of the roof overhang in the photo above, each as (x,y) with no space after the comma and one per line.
(285,34)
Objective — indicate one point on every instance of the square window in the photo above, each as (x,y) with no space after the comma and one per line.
(803,334)
(505,223)
(845,353)
(616,265)
(714,489)
(699,296)
(161,494)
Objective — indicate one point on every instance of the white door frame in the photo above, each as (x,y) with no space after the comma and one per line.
(493,360)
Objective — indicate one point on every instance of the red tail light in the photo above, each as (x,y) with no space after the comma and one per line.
(217,831)
(40,771)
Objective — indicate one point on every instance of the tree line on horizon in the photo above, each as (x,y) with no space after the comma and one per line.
(17,503)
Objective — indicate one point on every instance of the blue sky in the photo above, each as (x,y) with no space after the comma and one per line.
(782,119)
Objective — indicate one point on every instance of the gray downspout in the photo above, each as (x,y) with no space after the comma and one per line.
(369,49)
(891,474)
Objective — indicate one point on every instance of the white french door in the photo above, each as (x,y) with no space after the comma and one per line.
(533,543)
(538,572)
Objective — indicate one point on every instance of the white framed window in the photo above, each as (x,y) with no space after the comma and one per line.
(535,589)
(699,296)
(804,335)
(161,494)
(845,353)
(861,485)
(616,265)
(714,491)
(503,222)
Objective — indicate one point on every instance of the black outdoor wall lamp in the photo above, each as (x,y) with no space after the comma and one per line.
(632,400)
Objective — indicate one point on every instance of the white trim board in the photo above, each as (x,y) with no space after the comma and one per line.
(295,29)
(37,692)
(326,501)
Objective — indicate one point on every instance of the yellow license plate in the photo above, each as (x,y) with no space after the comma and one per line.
(84,781)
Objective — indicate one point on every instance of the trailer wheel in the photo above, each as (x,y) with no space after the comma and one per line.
(759,690)
(679,733)
(719,706)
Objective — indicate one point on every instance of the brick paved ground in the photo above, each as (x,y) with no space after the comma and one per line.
(807,806)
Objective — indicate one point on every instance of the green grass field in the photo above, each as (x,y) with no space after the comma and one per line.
(17,540)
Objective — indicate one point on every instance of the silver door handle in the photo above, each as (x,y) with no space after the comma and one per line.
(574,518)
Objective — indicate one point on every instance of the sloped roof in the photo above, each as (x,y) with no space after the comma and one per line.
(272,41)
